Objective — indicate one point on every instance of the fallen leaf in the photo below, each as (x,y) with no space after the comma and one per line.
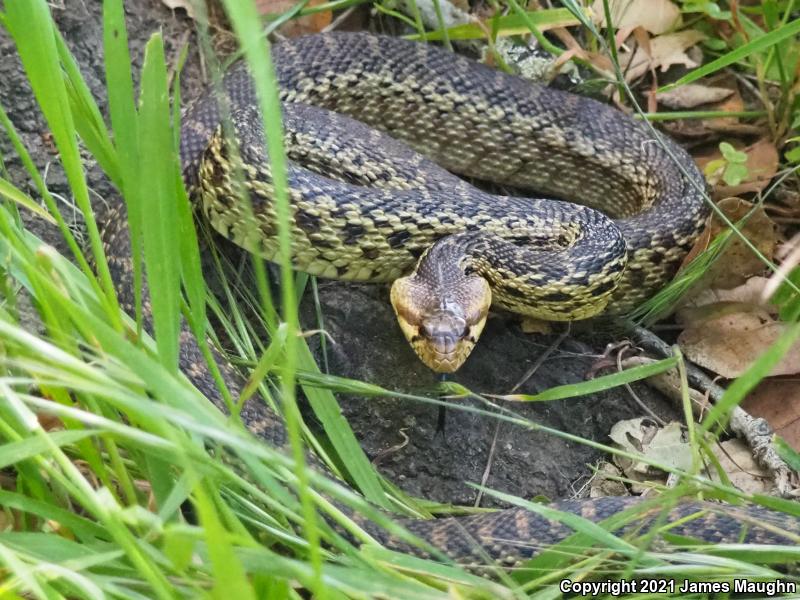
(656,16)
(778,401)
(736,459)
(712,127)
(713,302)
(733,103)
(692,95)
(729,344)
(669,448)
(606,482)
(669,383)
(313,23)
(629,435)
(664,445)
(738,262)
(569,41)
(665,51)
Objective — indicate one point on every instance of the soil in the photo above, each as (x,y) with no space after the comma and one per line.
(368,344)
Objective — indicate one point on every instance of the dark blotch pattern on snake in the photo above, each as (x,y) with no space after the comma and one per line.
(366,207)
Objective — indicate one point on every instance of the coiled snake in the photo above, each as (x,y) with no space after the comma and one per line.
(366,207)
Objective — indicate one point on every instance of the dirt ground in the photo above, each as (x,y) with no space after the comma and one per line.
(368,343)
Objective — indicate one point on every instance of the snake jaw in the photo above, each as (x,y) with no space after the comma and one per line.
(442,330)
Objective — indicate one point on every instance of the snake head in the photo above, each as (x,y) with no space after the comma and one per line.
(442,325)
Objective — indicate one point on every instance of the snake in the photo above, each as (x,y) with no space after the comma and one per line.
(374,129)
(366,209)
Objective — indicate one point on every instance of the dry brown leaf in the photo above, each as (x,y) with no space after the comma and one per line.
(710,128)
(601,62)
(665,51)
(664,445)
(569,41)
(643,39)
(303,25)
(712,303)
(692,95)
(749,293)
(669,383)
(736,459)
(656,16)
(606,482)
(729,344)
(738,262)
(778,401)
(733,103)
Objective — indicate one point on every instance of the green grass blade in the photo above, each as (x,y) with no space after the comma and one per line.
(598,384)
(327,410)
(513,24)
(787,453)
(47,197)
(24,574)
(702,114)
(767,40)
(159,213)
(83,528)
(13,193)
(33,31)
(191,263)
(124,122)
(89,121)
(230,580)
(15,452)
(245,20)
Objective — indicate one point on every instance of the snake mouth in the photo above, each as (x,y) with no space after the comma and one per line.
(440,351)
(443,354)
(445,341)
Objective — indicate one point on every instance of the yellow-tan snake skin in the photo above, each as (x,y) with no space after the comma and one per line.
(379,206)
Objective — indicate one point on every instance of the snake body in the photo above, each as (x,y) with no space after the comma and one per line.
(366,207)
(363,213)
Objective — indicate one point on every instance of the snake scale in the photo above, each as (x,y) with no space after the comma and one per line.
(367,207)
